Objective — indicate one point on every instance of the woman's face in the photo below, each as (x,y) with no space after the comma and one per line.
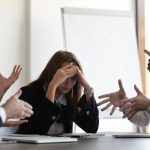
(68,84)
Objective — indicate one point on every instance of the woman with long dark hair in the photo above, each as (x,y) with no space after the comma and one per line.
(56,98)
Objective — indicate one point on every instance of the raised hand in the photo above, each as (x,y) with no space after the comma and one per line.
(60,76)
(16,108)
(63,73)
(113,99)
(135,104)
(5,83)
(147,52)
(148,65)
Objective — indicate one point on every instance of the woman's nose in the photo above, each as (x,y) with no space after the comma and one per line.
(68,83)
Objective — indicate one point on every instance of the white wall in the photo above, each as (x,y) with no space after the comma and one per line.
(13,39)
(46,26)
(13,47)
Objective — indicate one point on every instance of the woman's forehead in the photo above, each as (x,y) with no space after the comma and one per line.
(67,63)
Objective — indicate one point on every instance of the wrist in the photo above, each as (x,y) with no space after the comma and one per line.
(50,94)
(88,91)
(86,86)
(53,85)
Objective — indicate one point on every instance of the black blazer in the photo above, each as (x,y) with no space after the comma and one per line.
(1,123)
(45,112)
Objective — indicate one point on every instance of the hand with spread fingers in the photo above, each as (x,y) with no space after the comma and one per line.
(61,75)
(5,83)
(148,65)
(135,104)
(16,108)
(113,99)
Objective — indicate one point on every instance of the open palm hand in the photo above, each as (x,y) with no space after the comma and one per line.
(113,99)
(5,83)
(135,104)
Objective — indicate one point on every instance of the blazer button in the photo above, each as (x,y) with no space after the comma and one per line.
(87,112)
(53,117)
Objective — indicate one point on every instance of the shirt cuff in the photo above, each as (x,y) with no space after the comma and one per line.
(148,109)
(3,115)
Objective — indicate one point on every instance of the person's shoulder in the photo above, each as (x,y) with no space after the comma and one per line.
(33,86)
(32,92)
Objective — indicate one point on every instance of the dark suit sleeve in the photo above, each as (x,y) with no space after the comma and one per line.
(88,115)
(1,121)
(45,113)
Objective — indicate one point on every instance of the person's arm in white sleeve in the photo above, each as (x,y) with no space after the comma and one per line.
(141,118)
(137,109)
(2,115)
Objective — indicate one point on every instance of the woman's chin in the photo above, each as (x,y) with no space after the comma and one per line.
(64,91)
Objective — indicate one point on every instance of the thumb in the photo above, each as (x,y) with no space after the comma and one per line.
(147,52)
(137,90)
(120,85)
(17,95)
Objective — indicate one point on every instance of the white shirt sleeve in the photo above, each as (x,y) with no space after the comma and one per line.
(3,114)
(141,118)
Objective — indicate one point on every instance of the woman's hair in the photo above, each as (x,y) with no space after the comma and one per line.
(56,62)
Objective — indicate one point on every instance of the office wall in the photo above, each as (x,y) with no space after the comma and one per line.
(13,48)
(46,26)
(46,35)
